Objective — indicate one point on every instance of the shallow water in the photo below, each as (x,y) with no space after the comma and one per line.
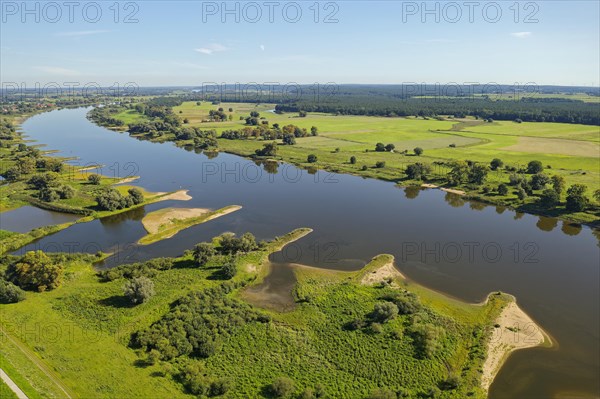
(463,249)
(26,218)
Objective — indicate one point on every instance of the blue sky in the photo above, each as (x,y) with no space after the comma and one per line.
(181,43)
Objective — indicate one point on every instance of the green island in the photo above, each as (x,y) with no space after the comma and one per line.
(181,326)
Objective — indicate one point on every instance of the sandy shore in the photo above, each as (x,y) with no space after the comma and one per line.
(448,190)
(516,331)
(181,195)
(127,180)
(385,272)
(154,220)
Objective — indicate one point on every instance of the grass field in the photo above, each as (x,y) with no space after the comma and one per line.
(79,329)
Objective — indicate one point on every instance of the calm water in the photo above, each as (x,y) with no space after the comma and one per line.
(464,249)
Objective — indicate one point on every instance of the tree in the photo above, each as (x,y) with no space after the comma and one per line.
(597,195)
(390,147)
(539,181)
(302,114)
(289,139)
(36,271)
(417,171)
(502,189)
(380,164)
(496,164)
(136,195)
(521,193)
(282,387)
(48,194)
(576,199)
(353,160)
(418,151)
(380,147)
(94,179)
(384,311)
(229,270)
(12,174)
(459,173)
(478,174)
(312,158)
(203,252)
(10,293)
(314,131)
(139,289)
(534,167)
(66,192)
(549,198)
(45,180)
(558,184)
(268,150)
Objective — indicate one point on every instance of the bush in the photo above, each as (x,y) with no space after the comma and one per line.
(66,192)
(502,189)
(576,199)
(203,252)
(418,151)
(384,311)
(36,271)
(549,198)
(534,167)
(231,245)
(48,195)
(539,181)
(139,289)
(229,270)
(418,171)
(380,165)
(353,160)
(380,147)
(312,158)
(282,387)
(94,179)
(496,164)
(136,195)
(10,293)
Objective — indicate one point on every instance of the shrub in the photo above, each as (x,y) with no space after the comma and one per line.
(139,289)
(390,147)
(380,165)
(364,167)
(418,151)
(229,270)
(66,192)
(10,293)
(384,311)
(203,252)
(496,164)
(534,167)
(312,158)
(282,387)
(418,171)
(94,179)
(502,189)
(549,198)
(136,195)
(353,160)
(539,181)
(380,147)
(36,271)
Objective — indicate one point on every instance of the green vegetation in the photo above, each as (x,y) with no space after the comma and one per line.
(197,335)
(469,154)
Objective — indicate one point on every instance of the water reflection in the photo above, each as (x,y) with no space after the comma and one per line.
(412,192)
(546,224)
(571,229)
(454,200)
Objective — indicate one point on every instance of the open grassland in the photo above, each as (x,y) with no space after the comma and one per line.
(81,331)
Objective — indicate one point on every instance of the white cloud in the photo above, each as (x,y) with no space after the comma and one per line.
(81,33)
(57,71)
(521,35)
(211,49)
(262,47)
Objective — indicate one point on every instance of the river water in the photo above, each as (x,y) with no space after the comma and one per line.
(463,249)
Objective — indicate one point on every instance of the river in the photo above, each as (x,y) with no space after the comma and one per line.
(463,249)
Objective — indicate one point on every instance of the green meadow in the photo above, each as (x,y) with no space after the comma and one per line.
(77,329)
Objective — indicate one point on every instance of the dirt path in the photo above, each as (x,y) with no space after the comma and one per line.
(13,387)
(40,364)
